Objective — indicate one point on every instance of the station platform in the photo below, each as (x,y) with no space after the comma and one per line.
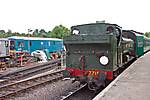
(132,84)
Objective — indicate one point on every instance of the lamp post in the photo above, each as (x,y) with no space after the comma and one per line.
(29,30)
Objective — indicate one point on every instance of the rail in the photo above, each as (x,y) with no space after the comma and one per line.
(21,86)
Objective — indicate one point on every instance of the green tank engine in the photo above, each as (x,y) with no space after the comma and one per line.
(94,53)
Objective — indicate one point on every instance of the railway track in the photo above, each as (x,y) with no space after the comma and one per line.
(28,72)
(15,88)
(82,93)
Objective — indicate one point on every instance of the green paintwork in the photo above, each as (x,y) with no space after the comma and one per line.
(82,39)
(139,45)
(91,49)
(138,41)
(146,44)
(91,41)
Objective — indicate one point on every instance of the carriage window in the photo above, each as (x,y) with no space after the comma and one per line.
(30,43)
(49,43)
(12,43)
(6,43)
(53,42)
(20,44)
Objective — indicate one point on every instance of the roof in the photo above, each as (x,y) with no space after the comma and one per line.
(33,38)
(134,32)
(3,39)
(138,32)
(97,23)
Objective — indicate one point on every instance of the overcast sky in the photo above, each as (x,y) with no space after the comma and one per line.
(20,15)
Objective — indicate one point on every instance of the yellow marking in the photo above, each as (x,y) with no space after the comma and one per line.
(93,73)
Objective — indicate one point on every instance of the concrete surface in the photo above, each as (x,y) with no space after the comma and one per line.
(132,84)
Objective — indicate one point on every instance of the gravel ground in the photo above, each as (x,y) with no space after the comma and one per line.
(52,91)
(12,69)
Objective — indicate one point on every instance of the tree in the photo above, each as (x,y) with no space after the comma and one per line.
(35,33)
(60,32)
(147,34)
(9,31)
(42,33)
(49,34)
(2,31)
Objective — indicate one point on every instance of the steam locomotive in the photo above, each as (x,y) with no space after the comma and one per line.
(95,52)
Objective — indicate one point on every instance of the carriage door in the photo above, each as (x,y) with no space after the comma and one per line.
(20,45)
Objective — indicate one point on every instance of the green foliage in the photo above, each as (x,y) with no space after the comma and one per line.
(41,33)
(35,33)
(60,32)
(147,34)
(2,31)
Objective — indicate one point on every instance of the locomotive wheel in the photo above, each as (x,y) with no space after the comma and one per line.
(92,86)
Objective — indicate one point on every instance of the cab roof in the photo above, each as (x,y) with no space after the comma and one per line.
(97,24)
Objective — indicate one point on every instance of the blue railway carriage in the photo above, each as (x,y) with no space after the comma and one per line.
(30,44)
